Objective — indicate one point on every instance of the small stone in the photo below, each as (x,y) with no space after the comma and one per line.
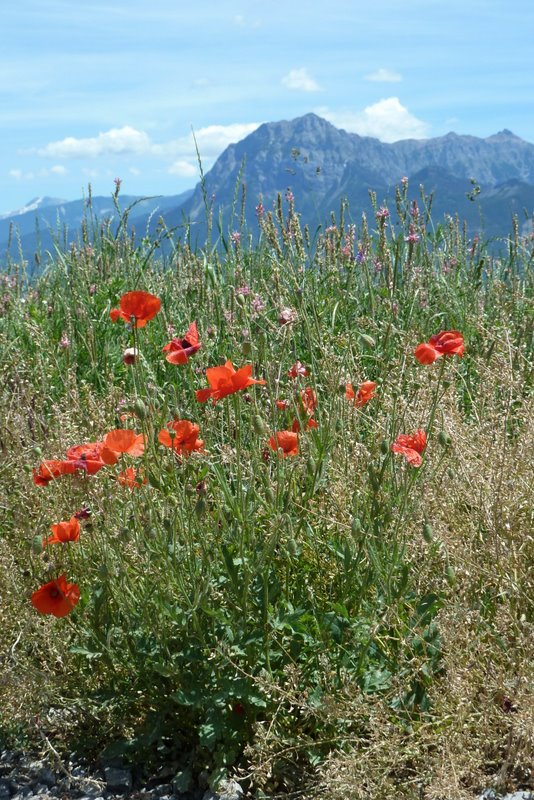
(23,793)
(163,790)
(230,790)
(5,790)
(118,780)
(46,776)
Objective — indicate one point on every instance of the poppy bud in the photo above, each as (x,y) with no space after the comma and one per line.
(140,408)
(37,543)
(240,299)
(356,526)
(292,547)
(246,348)
(444,439)
(270,495)
(311,466)
(36,451)
(259,425)
(450,575)
(427,533)
(384,447)
(200,507)
(130,355)
(368,340)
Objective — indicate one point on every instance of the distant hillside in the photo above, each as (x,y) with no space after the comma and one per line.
(45,223)
(322,166)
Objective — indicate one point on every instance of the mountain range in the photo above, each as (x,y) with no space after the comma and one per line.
(321,165)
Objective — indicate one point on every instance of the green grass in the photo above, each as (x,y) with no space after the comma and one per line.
(332,619)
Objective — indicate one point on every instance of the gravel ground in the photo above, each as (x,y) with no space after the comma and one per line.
(23,778)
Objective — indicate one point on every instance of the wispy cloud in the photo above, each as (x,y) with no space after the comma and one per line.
(300,80)
(210,140)
(183,168)
(387,120)
(244,22)
(116,141)
(30,175)
(383,75)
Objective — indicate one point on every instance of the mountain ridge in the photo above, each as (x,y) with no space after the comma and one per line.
(322,165)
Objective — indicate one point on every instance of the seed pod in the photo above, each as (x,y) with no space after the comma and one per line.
(427,533)
(246,348)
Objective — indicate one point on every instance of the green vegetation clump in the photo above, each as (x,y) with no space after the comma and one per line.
(313,573)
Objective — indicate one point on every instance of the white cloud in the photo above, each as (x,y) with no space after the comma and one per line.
(301,80)
(116,141)
(383,76)
(183,168)
(20,175)
(387,120)
(243,22)
(211,141)
(134,171)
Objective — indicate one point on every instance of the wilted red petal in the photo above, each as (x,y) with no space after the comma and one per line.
(50,470)
(132,478)
(411,446)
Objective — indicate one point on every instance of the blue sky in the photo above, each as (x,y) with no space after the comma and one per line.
(94,91)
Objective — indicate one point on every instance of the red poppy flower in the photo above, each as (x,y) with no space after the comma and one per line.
(363,395)
(63,532)
(184,438)
(56,597)
(137,308)
(446,343)
(122,440)
(85,452)
(311,423)
(226,380)
(308,400)
(50,470)
(179,350)
(132,478)
(298,370)
(282,404)
(286,442)
(410,446)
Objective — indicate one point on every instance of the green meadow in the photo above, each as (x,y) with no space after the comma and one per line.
(259,578)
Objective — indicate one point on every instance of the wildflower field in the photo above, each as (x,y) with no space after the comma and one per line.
(267,510)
